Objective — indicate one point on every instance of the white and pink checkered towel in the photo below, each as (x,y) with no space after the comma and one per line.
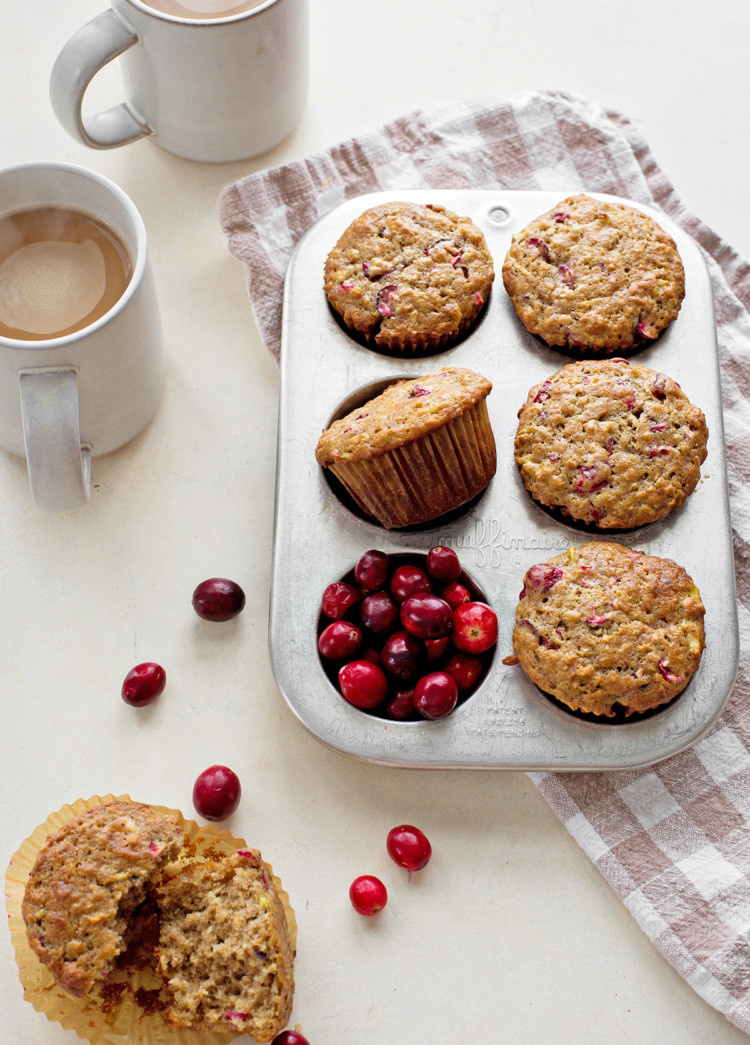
(674,839)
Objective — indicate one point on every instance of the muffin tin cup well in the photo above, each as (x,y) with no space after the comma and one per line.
(508,723)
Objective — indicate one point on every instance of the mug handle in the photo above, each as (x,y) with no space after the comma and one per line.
(59,466)
(92,47)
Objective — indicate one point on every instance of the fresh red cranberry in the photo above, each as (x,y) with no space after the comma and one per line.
(216,793)
(218,599)
(427,616)
(401,655)
(363,684)
(455,593)
(408,847)
(436,648)
(371,572)
(339,640)
(338,598)
(143,684)
(465,668)
(474,627)
(368,895)
(408,580)
(435,695)
(379,613)
(290,1037)
(368,653)
(443,564)
(402,705)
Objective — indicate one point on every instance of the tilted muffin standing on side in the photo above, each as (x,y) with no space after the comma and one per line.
(591,275)
(409,278)
(606,629)
(421,448)
(610,443)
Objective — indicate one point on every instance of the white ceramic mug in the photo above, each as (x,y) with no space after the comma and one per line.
(211,90)
(66,399)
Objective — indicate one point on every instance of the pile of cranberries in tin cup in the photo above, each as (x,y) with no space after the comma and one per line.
(406,636)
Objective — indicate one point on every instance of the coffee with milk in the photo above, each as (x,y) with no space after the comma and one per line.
(60,271)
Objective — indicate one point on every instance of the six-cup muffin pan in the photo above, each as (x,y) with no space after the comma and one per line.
(507,723)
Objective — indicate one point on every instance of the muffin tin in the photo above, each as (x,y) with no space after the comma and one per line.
(507,723)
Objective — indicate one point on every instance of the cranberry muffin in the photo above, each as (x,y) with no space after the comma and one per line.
(225,949)
(609,630)
(421,448)
(409,279)
(611,443)
(594,276)
(86,883)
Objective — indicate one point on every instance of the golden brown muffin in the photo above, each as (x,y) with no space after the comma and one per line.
(606,629)
(409,278)
(225,952)
(421,448)
(593,275)
(87,881)
(611,443)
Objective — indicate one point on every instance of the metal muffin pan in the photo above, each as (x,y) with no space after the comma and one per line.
(507,723)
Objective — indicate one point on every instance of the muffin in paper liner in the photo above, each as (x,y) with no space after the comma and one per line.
(421,448)
(426,478)
(127,1010)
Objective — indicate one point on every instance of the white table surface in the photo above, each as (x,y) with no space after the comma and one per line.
(510,934)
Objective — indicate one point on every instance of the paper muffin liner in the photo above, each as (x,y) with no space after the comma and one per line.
(427,342)
(127,1009)
(426,478)
(412,343)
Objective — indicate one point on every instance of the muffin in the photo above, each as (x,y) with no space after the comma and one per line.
(608,630)
(134,1002)
(408,278)
(421,448)
(593,276)
(85,885)
(610,443)
(224,948)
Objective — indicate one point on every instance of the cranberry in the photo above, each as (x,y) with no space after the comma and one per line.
(216,793)
(339,640)
(408,580)
(363,684)
(455,593)
(338,598)
(379,612)
(465,669)
(436,648)
(401,654)
(371,572)
(402,705)
(143,684)
(218,599)
(427,616)
(435,695)
(443,564)
(290,1037)
(408,847)
(368,895)
(474,627)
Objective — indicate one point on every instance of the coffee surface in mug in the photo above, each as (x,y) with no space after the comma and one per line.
(60,270)
(203,9)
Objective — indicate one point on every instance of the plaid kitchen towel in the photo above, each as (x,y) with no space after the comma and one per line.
(673,840)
